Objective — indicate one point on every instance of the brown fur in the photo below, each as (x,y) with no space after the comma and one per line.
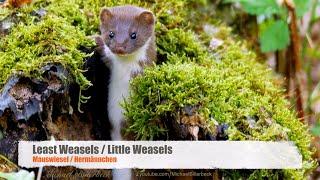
(123,21)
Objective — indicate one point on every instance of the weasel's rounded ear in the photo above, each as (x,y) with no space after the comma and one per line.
(105,15)
(146,17)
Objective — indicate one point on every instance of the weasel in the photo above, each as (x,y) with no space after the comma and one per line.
(127,44)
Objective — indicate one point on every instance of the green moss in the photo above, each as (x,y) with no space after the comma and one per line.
(227,84)
(59,35)
(28,48)
(230,87)
(175,46)
(4,12)
(170,14)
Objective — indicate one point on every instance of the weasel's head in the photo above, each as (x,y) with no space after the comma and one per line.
(125,29)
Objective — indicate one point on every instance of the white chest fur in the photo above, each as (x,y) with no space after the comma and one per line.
(122,68)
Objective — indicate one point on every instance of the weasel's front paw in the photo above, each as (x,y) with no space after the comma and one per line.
(100,45)
(99,41)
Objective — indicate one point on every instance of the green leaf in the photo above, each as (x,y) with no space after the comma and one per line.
(316,129)
(258,7)
(20,175)
(274,35)
(302,6)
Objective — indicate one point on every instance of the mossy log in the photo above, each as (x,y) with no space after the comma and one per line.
(206,85)
(47,108)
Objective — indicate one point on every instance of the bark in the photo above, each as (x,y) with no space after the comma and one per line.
(44,108)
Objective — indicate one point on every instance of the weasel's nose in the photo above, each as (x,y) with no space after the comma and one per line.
(120,50)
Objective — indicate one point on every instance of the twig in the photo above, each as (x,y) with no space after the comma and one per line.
(310,42)
(39,173)
(294,56)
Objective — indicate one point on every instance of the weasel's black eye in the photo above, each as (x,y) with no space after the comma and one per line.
(111,34)
(133,35)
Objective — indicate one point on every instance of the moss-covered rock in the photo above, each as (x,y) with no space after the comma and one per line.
(60,34)
(235,90)
(220,86)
